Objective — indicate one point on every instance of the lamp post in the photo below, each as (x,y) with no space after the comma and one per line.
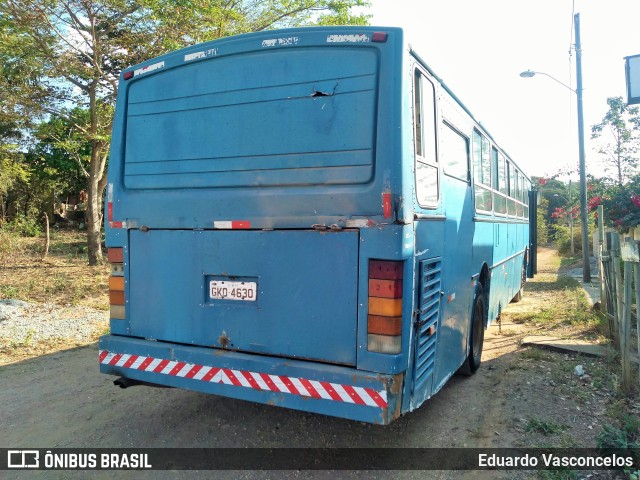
(586,269)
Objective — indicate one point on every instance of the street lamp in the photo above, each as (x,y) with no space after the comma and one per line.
(586,269)
(531,73)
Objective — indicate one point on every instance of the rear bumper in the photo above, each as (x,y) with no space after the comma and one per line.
(328,389)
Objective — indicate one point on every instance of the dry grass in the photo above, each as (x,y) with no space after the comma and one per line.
(64,278)
(556,304)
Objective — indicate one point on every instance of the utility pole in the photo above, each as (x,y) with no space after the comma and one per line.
(573,248)
(586,269)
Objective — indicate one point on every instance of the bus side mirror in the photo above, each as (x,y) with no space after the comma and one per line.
(538,197)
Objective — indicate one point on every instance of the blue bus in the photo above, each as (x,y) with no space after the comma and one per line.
(306,218)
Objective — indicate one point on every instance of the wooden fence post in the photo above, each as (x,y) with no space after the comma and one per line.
(625,331)
(636,268)
(46,236)
(601,248)
(630,253)
(616,282)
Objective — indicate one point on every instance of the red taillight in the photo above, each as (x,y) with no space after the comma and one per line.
(384,322)
(116,284)
(385,270)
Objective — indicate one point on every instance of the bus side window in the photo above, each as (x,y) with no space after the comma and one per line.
(425,141)
(512,190)
(527,187)
(454,152)
(482,171)
(501,187)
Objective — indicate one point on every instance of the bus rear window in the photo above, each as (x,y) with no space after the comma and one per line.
(303,117)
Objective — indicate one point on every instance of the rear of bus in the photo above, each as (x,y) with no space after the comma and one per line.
(253,207)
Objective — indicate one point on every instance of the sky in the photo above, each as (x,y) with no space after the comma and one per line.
(479,49)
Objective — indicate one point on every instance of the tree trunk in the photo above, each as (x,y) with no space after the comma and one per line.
(94,182)
(46,236)
(93,210)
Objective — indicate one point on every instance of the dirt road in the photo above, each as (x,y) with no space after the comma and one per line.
(61,400)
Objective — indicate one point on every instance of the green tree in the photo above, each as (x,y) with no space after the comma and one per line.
(11,168)
(543,228)
(77,49)
(621,124)
(61,154)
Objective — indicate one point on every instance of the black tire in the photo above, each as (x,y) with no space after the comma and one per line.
(476,334)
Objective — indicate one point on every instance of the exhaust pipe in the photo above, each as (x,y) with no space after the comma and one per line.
(124,382)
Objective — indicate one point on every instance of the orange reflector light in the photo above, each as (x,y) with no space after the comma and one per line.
(384,343)
(384,325)
(387,307)
(116,283)
(385,288)
(115,255)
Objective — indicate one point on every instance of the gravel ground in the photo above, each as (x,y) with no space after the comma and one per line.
(26,322)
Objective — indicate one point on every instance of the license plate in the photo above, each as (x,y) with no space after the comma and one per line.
(222,290)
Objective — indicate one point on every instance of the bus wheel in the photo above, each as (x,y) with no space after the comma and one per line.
(520,293)
(476,335)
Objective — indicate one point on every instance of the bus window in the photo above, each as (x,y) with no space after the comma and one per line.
(494,168)
(501,187)
(425,141)
(454,152)
(482,171)
(527,187)
(519,207)
(511,204)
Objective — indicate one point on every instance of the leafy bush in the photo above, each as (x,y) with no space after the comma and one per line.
(562,238)
(9,243)
(625,436)
(25,225)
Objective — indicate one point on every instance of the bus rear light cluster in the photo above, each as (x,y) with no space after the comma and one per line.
(384,321)
(116,284)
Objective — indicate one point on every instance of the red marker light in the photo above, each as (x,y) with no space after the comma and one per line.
(387,210)
(380,37)
(128,75)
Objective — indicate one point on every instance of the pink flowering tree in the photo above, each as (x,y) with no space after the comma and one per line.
(621,203)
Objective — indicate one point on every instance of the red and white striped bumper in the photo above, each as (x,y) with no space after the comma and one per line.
(258,381)
(328,389)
